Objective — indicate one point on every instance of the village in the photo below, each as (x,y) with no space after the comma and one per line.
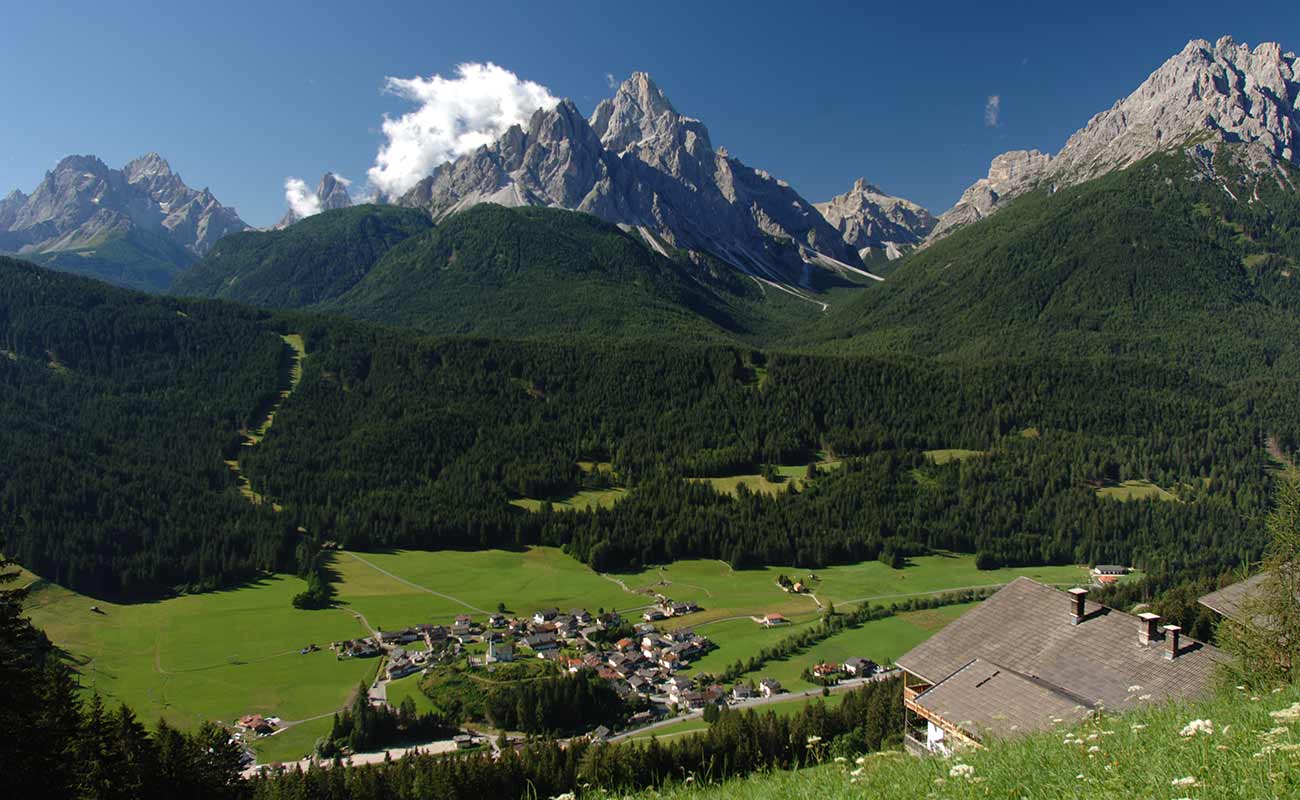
(644,660)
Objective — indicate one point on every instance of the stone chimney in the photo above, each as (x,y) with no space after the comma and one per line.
(1150,630)
(1171,633)
(1077,595)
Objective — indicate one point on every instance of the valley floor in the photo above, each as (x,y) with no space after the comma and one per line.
(225,654)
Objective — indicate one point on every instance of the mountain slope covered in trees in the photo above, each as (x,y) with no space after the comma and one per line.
(315,260)
(1182,258)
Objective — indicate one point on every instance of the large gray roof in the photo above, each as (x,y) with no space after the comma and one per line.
(983,697)
(1026,628)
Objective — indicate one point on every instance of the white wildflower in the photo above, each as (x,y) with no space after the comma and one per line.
(1092,737)
(1288,714)
(1144,697)
(961,771)
(1139,727)
(1183,783)
(856,772)
(814,739)
(840,759)
(1094,749)
(1134,688)
(1197,726)
(860,760)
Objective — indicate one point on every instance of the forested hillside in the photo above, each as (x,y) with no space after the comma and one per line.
(1173,260)
(492,271)
(311,261)
(117,411)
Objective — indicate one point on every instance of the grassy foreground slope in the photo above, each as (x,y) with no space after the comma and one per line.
(1249,750)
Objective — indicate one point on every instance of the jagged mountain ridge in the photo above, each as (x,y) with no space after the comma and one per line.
(873,221)
(1221,92)
(638,163)
(82,200)
(331,193)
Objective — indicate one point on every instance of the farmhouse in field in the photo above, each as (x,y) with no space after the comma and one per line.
(1031,657)
(772,620)
(769,686)
(1108,573)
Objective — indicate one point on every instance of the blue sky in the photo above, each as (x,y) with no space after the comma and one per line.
(239,96)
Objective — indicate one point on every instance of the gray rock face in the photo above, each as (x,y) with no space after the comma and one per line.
(1223,92)
(872,221)
(331,193)
(639,163)
(82,201)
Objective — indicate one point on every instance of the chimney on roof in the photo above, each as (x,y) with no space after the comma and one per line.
(1077,612)
(1171,632)
(1150,630)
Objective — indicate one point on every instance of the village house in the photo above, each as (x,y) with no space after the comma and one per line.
(1108,573)
(652,615)
(742,691)
(769,687)
(825,670)
(581,615)
(643,628)
(540,642)
(859,667)
(497,620)
(772,620)
(1031,657)
(545,615)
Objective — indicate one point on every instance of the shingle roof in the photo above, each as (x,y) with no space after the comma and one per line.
(983,697)
(1026,627)
(1227,601)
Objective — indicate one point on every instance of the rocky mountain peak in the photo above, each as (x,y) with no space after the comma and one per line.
(638,111)
(83,202)
(1223,92)
(146,166)
(638,163)
(871,220)
(332,192)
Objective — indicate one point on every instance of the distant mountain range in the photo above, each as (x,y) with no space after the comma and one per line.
(136,226)
(331,194)
(1221,92)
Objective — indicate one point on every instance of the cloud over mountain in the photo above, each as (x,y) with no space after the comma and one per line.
(455,116)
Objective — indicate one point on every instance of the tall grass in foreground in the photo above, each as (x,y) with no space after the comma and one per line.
(1239,745)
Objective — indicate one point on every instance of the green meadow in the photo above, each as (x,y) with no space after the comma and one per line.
(224,654)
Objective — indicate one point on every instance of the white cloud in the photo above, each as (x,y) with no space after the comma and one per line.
(455,116)
(610,80)
(346,183)
(302,200)
(992,107)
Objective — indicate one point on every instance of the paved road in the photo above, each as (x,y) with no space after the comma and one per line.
(758,702)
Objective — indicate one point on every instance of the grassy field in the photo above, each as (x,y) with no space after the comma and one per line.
(788,475)
(1251,753)
(1136,490)
(946,456)
(583,500)
(211,656)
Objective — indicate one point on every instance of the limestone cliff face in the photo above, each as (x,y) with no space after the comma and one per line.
(82,201)
(1221,92)
(639,163)
(872,221)
(331,193)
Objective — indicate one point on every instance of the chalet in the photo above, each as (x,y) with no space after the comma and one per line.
(545,615)
(581,615)
(463,741)
(1031,657)
(497,620)
(769,687)
(825,670)
(1108,573)
(460,630)
(499,652)
(859,667)
(643,628)
(639,684)
(772,620)
(601,734)
(742,691)
(693,699)
(541,641)
(464,619)
(678,609)
(652,615)
(625,645)
(608,674)
(670,661)
(1232,601)
(675,687)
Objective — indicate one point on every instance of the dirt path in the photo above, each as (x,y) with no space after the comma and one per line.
(254,436)
(400,579)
